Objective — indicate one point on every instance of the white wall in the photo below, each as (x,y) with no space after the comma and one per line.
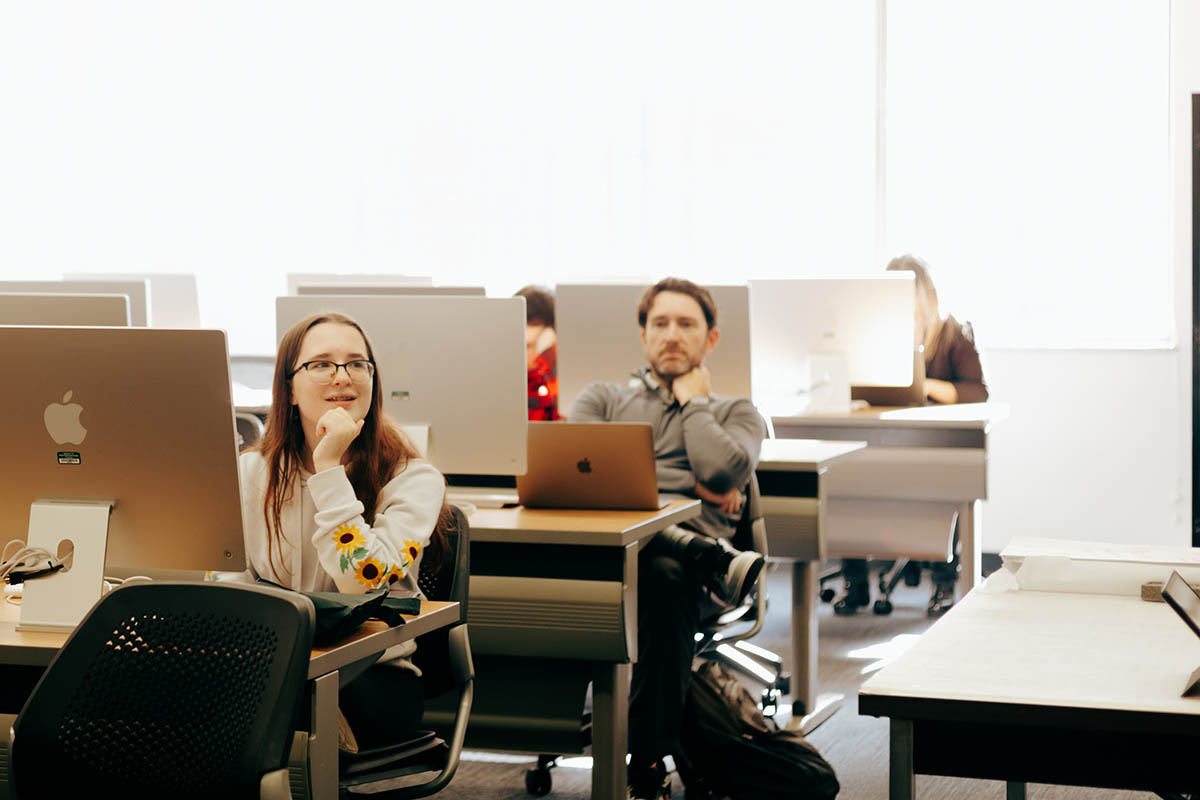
(1097,446)
(1099,442)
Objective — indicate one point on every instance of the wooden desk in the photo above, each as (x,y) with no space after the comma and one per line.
(38,649)
(1046,687)
(553,604)
(793,476)
(924,469)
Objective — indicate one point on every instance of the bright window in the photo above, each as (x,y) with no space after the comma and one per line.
(1028,163)
(494,143)
(511,143)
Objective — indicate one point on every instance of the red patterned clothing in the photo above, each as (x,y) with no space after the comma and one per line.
(543,386)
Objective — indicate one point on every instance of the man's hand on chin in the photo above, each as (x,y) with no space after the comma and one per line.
(694,383)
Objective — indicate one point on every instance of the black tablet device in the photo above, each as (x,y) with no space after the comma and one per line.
(1180,596)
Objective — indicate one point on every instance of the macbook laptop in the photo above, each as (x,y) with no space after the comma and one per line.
(607,465)
(912,395)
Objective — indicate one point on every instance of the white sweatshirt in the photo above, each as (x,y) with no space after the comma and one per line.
(328,546)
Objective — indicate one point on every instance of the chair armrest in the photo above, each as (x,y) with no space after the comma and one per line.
(275,786)
(462,667)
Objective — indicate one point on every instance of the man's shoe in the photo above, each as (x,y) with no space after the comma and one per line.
(740,575)
(649,783)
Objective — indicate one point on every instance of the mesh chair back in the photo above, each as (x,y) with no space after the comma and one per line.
(743,537)
(449,582)
(168,690)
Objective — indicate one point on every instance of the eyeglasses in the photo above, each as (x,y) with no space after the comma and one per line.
(322,372)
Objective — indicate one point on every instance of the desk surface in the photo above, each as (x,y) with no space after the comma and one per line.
(375,635)
(1049,655)
(804,455)
(965,416)
(38,648)
(576,526)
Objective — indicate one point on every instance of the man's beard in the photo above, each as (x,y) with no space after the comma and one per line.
(673,368)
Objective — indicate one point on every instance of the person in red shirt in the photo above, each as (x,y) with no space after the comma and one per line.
(541,353)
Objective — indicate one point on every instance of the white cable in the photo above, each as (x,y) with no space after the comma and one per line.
(25,558)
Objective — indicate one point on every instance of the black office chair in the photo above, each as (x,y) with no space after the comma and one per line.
(169,690)
(444,657)
(249,428)
(725,636)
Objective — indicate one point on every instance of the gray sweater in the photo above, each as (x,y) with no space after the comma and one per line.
(716,444)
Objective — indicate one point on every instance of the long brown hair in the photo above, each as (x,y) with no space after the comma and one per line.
(927,297)
(375,456)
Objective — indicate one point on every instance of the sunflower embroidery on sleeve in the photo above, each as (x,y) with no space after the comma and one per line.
(370,573)
(413,549)
(350,543)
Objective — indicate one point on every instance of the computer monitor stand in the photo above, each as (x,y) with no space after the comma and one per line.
(58,601)
(829,384)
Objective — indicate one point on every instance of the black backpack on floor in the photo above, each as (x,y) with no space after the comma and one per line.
(732,750)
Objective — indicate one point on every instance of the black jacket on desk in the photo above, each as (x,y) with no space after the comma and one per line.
(715,443)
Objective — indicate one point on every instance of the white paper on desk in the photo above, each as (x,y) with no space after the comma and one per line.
(1022,547)
(1000,581)
(1081,576)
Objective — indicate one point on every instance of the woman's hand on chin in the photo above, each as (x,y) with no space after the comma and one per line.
(336,429)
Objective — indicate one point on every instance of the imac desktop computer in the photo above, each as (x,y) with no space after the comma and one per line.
(296,279)
(122,447)
(369,288)
(64,309)
(814,338)
(598,338)
(452,372)
(174,300)
(138,292)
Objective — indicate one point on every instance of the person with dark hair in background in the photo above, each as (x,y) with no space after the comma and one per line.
(705,446)
(953,374)
(541,353)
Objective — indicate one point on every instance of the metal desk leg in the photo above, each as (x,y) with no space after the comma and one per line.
(1016,790)
(610,734)
(970,538)
(902,783)
(809,709)
(323,738)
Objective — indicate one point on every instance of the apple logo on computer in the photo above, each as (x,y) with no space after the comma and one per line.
(62,421)
(584,466)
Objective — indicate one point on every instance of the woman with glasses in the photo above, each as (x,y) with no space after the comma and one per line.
(336,499)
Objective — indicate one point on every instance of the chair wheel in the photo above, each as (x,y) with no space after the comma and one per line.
(844,608)
(537,781)
(883,607)
(827,595)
